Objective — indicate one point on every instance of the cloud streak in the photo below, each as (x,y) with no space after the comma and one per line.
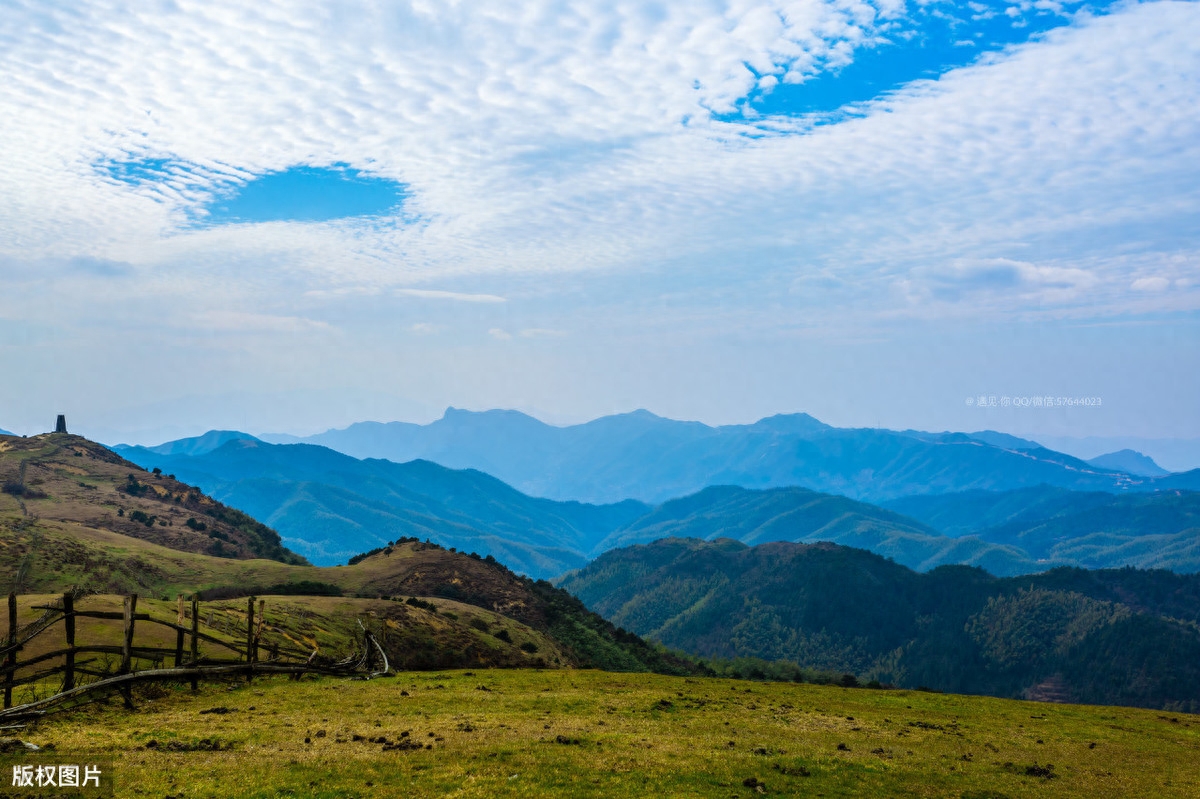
(456,296)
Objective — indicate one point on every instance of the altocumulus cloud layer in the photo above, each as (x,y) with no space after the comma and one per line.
(540,146)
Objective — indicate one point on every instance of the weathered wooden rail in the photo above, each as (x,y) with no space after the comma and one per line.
(189,666)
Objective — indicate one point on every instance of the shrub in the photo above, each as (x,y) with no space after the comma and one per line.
(530,647)
(359,558)
(303,588)
(144,518)
(21,490)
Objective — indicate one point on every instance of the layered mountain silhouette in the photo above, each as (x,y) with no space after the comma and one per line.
(1090,529)
(645,457)
(329,507)
(799,515)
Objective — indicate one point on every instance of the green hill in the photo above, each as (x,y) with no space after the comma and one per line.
(1118,636)
(803,516)
(75,515)
(68,478)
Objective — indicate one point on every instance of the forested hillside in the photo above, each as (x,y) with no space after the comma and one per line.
(1117,636)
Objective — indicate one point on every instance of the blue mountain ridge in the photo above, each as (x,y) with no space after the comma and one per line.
(1131,461)
(642,456)
(329,506)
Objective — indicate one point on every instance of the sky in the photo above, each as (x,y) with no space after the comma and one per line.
(286,217)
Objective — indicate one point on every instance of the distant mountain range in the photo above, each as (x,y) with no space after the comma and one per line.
(1007,533)
(1053,526)
(1119,637)
(645,457)
(329,506)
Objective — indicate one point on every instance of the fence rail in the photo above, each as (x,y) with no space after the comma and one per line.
(189,666)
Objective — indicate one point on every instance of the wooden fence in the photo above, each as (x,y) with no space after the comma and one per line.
(188,665)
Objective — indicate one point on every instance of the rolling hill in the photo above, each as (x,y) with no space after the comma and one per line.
(642,456)
(73,515)
(69,479)
(1119,636)
(330,506)
(802,516)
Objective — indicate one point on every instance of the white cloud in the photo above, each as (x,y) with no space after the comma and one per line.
(239,322)
(499,333)
(542,138)
(1150,284)
(433,294)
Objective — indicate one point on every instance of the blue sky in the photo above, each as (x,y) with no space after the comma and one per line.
(289,217)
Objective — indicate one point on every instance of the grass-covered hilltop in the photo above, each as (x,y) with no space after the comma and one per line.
(73,514)
(501,685)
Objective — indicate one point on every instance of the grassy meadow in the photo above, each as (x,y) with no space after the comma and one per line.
(589,733)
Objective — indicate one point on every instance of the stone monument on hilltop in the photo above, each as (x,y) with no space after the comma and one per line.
(61,425)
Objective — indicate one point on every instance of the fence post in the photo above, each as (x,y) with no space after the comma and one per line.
(179,619)
(10,662)
(127,647)
(262,619)
(250,639)
(195,637)
(69,623)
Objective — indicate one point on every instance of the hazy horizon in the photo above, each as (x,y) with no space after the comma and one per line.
(1173,454)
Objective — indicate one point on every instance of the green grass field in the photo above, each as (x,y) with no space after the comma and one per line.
(586,733)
